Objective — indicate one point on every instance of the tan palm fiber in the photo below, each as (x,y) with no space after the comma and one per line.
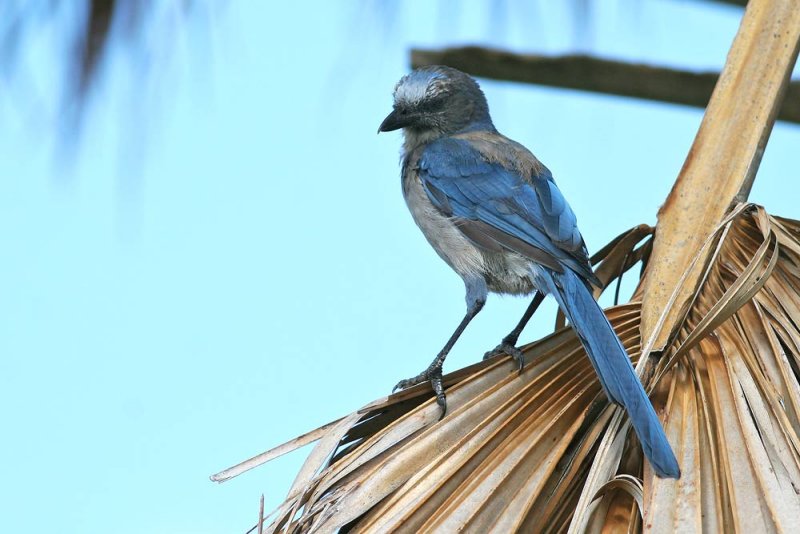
(545,451)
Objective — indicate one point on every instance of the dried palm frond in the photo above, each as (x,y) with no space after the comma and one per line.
(545,451)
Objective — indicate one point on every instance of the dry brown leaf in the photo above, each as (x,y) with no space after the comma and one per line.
(545,451)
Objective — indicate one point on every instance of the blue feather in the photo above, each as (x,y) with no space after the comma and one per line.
(613,367)
(461,182)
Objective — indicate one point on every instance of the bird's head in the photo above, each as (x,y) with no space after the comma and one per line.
(435,101)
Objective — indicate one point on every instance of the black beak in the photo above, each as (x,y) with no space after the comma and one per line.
(394,121)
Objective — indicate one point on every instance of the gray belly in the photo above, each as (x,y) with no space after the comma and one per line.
(507,273)
(443,235)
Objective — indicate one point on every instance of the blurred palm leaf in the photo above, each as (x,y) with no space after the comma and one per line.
(545,451)
(84,34)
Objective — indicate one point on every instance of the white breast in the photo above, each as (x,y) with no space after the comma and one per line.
(441,233)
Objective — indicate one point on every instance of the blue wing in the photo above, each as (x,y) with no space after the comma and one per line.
(497,208)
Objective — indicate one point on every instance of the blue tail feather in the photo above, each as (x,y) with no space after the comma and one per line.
(614,369)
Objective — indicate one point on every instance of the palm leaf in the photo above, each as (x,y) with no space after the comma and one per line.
(544,450)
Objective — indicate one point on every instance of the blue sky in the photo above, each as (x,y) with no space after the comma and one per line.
(228,262)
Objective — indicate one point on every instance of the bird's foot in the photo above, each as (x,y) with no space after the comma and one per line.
(432,374)
(507,347)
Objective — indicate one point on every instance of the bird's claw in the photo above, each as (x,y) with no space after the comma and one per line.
(507,348)
(432,374)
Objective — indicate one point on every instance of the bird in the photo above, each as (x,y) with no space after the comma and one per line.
(493,212)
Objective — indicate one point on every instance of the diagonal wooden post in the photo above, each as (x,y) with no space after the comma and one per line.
(722,163)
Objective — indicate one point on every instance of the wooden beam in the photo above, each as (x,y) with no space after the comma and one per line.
(740,3)
(588,73)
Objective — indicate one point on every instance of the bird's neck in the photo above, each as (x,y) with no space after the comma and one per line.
(482,125)
(415,138)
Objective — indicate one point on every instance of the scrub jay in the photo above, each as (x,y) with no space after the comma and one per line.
(493,212)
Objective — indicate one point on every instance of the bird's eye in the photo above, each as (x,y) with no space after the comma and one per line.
(433,104)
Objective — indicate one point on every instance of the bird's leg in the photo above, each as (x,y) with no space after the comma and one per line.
(476,298)
(509,343)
